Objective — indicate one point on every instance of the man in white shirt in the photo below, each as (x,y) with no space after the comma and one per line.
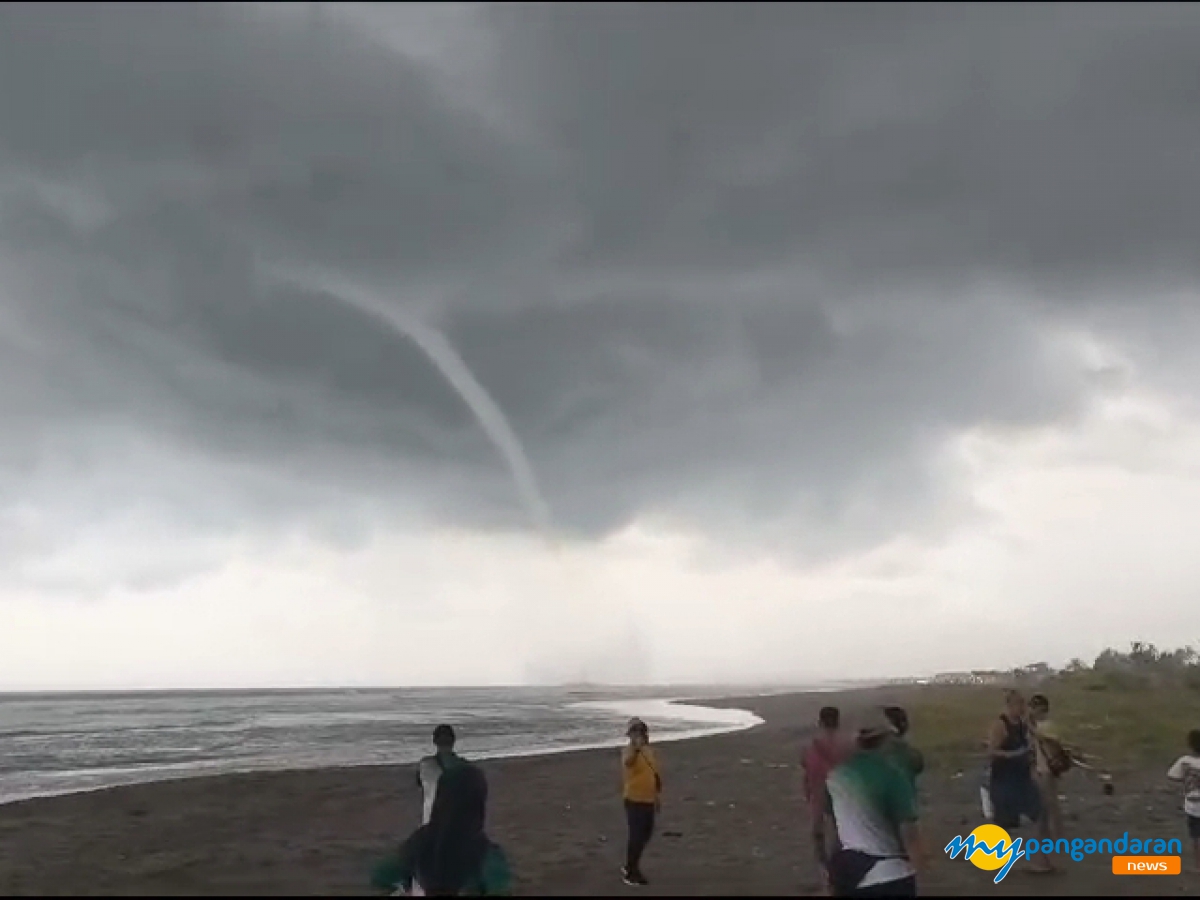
(1187,771)
(875,813)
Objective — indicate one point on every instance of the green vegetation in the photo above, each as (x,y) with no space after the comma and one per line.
(1125,710)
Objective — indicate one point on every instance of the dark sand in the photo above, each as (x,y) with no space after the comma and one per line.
(733,801)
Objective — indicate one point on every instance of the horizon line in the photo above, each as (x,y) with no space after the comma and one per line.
(780,686)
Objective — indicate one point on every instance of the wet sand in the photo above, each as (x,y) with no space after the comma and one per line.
(733,823)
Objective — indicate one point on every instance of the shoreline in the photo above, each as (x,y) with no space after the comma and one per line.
(733,823)
(627,707)
(320,831)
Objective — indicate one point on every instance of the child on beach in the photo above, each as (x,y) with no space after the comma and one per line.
(642,793)
(1187,770)
(450,855)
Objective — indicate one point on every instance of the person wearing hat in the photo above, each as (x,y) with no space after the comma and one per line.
(875,814)
(642,793)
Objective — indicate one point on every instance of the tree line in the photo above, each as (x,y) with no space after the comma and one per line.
(1142,665)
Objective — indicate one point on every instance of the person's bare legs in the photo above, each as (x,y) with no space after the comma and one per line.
(821,849)
(1049,823)
(1048,785)
(1040,863)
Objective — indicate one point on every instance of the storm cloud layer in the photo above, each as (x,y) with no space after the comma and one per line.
(746,270)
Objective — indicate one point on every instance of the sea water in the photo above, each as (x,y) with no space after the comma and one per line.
(62,743)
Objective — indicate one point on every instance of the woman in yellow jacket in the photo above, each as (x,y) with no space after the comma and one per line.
(643,788)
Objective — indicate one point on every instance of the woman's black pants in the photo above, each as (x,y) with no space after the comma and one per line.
(640,817)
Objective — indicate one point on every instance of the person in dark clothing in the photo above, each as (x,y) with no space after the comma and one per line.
(1014,793)
(451,855)
(430,768)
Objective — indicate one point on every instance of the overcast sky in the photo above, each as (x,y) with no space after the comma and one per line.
(842,341)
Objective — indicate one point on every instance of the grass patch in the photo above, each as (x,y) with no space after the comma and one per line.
(1125,721)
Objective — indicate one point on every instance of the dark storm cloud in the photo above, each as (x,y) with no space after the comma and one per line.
(740,265)
(871,140)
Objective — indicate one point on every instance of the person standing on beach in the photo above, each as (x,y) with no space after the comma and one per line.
(1014,793)
(903,754)
(642,793)
(828,749)
(875,812)
(450,855)
(1187,770)
(431,768)
(1052,759)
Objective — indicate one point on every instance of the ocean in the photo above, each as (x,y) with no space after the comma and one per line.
(62,743)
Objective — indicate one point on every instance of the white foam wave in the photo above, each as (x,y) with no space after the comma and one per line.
(709,719)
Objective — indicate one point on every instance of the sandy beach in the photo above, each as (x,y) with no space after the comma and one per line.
(733,823)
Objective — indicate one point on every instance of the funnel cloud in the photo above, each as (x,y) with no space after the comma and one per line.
(448,362)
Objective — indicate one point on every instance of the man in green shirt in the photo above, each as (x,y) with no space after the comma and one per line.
(875,812)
